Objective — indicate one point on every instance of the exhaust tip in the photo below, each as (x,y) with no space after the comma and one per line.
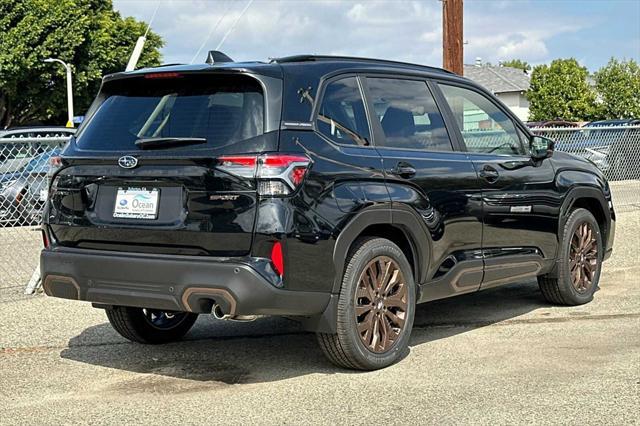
(218,313)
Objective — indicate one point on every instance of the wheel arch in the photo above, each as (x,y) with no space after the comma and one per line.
(398,226)
(592,200)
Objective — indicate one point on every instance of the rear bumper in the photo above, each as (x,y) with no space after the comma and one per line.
(176,283)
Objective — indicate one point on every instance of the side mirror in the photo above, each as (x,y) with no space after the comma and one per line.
(541,147)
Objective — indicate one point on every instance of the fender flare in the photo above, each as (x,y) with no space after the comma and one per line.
(577,193)
(406,221)
(580,192)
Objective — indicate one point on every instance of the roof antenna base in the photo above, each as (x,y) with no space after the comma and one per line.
(217,57)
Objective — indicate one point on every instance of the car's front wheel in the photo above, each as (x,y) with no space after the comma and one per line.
(150,325)
(579,262)
(376,308)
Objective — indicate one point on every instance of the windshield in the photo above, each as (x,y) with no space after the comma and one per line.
(220,109)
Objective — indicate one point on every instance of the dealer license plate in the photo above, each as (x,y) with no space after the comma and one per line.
(136,203)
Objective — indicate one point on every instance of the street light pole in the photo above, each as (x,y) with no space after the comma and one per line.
(69,88)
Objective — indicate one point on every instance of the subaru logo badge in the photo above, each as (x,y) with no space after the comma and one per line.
(127,162)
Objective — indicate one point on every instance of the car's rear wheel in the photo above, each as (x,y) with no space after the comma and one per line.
(579,262)
(149,325)
(376,308)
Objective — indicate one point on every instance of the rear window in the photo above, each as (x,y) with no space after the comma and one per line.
(221,109)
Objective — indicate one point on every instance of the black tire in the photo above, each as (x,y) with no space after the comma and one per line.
(346,348)
(135,324)
(560,289)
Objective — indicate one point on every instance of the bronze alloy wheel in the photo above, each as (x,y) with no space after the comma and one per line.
(381,304)
(583,257)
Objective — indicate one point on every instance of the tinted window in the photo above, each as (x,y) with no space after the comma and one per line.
(408,114)
(221,109)
(485,128)
(342,116)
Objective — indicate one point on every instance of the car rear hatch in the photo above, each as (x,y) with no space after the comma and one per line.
(149,173)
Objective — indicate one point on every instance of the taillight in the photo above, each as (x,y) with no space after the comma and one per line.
(277,174)
(288,168)
(277,260)
(55,161)
(239,165)
(54,164)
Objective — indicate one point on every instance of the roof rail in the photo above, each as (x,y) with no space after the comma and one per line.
(311,58)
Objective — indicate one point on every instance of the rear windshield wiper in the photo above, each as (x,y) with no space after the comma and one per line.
(150,143)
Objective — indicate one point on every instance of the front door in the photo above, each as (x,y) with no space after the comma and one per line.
(520,205)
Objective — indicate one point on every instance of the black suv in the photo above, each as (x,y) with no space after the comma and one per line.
(337,191)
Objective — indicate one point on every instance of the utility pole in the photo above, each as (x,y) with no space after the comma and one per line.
(452,44)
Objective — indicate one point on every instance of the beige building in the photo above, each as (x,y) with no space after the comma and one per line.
(508,84)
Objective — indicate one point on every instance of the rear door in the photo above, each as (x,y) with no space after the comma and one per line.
(424,172)
(520,204)
(156,168)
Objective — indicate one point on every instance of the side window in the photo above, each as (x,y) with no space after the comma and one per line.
(342,117)
(408,114)
(485,128)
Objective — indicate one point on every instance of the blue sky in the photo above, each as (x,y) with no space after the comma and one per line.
(533,30)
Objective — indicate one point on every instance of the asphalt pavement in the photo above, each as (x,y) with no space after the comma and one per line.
(502,356)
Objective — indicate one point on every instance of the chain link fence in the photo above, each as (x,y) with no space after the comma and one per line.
(25,163)
(24,168)
(613,149)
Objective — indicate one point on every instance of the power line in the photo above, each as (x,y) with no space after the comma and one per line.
(234,25)
(213,29)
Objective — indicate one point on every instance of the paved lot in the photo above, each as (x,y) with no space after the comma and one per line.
(19,251)
(502,356)
(626,195)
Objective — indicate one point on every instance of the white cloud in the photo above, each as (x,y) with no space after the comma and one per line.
(432,36)
(394,14)
(400,30)
(533,49)
(505,34)
(392,30)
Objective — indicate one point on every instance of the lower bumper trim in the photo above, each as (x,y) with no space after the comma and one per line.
(176,283)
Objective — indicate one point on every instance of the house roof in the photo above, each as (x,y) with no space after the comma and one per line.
(498,79)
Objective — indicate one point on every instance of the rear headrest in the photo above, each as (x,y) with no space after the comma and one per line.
(398,122)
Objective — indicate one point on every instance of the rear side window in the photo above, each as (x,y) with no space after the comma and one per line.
(342,117)
(221,109)
(408,114)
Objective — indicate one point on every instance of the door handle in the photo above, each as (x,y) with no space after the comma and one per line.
(403,170)
(489,174)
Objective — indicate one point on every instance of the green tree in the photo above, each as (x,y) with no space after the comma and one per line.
(517,63)
(88,34)
(618,87)
(560,90)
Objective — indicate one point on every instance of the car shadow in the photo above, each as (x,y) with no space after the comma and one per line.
(272,349)
(448,317)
